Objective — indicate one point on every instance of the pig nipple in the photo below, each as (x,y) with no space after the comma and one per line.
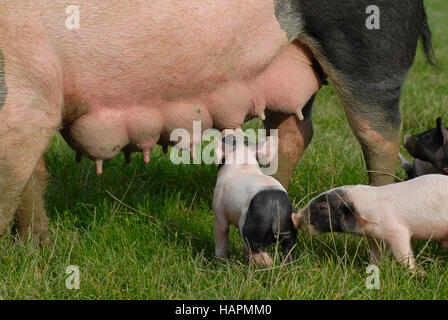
(146,155)
(193,153)
(299,115)
(99,167)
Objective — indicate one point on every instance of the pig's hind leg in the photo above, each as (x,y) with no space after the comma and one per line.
(29,118)
(368,68)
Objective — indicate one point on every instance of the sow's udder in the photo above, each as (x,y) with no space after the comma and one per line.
(101,132)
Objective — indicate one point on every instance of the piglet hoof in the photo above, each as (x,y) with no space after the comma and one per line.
(165,148)
(417,273)
(78,157)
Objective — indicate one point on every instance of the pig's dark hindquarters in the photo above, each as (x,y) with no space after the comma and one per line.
(268,219)
(368,67)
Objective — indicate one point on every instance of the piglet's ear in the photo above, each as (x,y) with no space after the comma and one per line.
(443,131)
(267,150)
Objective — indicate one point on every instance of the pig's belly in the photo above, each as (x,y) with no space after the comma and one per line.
(133,80)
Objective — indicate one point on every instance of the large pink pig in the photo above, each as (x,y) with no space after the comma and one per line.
(133,71)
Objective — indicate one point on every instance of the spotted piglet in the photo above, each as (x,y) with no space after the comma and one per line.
(391,214)
(430,150)
(255,203)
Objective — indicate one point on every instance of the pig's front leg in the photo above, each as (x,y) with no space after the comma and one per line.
(29,117)
(400,245)
(31,216)
(221,235)
(294,136)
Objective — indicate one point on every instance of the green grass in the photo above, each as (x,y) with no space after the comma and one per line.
(146,231)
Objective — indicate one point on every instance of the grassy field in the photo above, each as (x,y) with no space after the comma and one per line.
(146,231)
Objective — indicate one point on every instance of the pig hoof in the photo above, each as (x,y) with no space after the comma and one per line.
(165,148)
(99,167)
(78,157)
(262,116)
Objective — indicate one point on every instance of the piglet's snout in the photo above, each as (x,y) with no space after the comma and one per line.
(406,139)
(297,219)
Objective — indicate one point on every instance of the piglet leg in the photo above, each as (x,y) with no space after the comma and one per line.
(288,246)
(400,245)
(221,236)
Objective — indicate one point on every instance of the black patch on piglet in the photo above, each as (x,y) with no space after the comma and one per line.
(332,212)
(430,145)
(3,88)
(268,220)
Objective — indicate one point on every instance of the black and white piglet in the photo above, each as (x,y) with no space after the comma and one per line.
(255,203)
(394,214)
(430,150)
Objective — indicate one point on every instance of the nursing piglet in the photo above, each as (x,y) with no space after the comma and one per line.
(395,214)
(255,203)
